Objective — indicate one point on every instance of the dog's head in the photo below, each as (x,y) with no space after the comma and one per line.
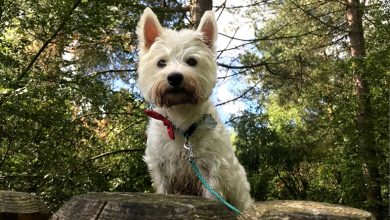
(176,67)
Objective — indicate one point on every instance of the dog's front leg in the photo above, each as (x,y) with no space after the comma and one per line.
(158,179)
(159,182)
(214,183)
(161,188)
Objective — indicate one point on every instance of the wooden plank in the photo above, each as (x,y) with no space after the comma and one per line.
(141,206)
(22,206)
(300,210)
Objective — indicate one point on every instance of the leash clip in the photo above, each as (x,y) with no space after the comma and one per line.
(188,146)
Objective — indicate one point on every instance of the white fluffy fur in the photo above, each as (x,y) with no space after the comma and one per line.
(167,159)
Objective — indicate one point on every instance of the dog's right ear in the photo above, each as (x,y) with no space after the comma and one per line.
(148,29)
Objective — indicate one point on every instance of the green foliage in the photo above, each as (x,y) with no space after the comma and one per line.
(303,144)
(67,125)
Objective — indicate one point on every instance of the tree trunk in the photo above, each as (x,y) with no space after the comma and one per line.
(197,9)
(363,112)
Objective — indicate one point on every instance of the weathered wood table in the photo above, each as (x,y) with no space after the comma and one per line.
(109,206)
(22,206)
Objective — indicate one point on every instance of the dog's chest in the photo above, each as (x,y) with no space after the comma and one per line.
(181,178)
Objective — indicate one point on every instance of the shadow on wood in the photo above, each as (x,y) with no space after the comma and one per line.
(22,206)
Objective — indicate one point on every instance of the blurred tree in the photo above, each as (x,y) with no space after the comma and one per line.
(367,143)
(71,118)
(307,102)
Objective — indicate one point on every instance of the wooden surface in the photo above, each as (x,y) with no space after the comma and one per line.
(24,206)
(21,206)
(304,210)
(141,206)
(156,206)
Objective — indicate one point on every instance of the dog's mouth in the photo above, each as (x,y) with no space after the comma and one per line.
(175,90)
(177,96)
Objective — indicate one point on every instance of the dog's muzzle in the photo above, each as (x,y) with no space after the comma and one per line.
(177,96)
(176,90)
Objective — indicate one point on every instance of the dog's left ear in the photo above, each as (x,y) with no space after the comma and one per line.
(208,28)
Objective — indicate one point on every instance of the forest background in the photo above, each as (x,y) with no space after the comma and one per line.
(313,78)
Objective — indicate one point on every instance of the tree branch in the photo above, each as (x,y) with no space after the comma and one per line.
(54,35)
(231,75)
(106,113)
(310,14)
(242,67)
(112,71)
(129,126)
(251,42)
(228,44)
(105,155)
(240,96)
(223,5)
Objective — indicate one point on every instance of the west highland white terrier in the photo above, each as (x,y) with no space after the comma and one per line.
(177,73)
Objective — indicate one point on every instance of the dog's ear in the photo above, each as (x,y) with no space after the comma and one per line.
(208,28)
(148,29)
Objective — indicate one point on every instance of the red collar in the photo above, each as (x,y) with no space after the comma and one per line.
(165,120)
(206,120)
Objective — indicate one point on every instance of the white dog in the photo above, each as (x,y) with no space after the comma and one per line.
(177,73)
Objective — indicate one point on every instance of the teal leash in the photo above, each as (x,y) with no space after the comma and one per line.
(188,146)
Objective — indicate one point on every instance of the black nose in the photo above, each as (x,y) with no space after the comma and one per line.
(175,79)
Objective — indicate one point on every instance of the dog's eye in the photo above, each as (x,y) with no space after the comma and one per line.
(191,62)
(161,63)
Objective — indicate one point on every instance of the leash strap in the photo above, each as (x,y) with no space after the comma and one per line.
(196,170)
